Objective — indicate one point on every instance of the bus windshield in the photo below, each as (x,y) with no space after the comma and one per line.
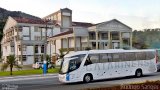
(71,63)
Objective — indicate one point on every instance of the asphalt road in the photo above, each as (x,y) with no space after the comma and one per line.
(51,82)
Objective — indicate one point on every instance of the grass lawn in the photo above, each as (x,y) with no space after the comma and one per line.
(28,72)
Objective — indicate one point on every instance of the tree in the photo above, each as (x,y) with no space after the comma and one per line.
(87,48)
(11,62)
(61,52)
(48,58)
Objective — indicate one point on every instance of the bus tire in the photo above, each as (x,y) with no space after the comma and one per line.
(138,73)
(87,78)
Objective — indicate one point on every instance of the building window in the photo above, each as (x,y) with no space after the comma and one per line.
(19,47)
(24,58)
(38,38)
(92,36)
(12,48)
(42,49)
(43,37)
(20,58)
(36,59)
(36,49)
(115,35)
(104,36)
(20,28)
(35,29)
(24,47)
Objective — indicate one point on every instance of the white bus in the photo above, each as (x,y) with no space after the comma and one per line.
(102,64)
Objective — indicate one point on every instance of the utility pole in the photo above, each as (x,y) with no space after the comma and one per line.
(45,67)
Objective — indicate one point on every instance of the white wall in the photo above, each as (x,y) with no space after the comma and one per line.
(30,50)
(56,30)
(32,32)
(71,43)
(125,35)
(77,42)
(25,31)
(49,32)
(25,38)
(66,21)
(58,45)
(29,60)
(52,48)
(65,44)
(80,31)
(84,39)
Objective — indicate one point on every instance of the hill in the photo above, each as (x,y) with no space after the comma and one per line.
(5,13)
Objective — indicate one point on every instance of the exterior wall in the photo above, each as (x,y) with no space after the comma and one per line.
(26,33)
(30,50)
(65,44)
(29,60)
(58,45)
(10,22)
(80,31)
(66,21)
(56,31)
(32,32)
(71,42)
(27,37)
(50,49)
(78,42)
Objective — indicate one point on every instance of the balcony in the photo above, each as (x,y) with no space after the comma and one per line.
(92,37)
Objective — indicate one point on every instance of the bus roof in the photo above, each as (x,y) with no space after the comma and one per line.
(106,51)
(76,53)
(119,50)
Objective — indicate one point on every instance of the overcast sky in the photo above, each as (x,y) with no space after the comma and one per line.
(138,14)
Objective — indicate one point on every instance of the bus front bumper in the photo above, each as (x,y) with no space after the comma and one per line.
(63,78)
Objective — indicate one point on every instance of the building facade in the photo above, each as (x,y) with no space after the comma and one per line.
(25,38)
(111,34)
(28,38)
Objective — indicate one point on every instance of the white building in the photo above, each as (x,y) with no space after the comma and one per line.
(75,36)
(25,38)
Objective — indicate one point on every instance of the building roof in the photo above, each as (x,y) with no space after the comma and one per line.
(83,24)
(106,22)
(63,33)
(29,21)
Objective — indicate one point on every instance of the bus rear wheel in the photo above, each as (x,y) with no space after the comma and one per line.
(138,73)
(87,78)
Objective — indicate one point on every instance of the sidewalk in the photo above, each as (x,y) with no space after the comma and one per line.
(27,77)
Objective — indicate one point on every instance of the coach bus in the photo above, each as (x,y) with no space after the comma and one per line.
(102,64)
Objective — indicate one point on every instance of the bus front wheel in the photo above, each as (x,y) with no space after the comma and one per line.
(138,73)
(87,78)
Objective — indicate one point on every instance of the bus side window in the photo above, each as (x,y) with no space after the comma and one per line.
(92,58)
(88,61)
(104,57)
(110,57)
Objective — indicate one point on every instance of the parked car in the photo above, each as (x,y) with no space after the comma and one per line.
(58,62)
(37,65)
(158,67)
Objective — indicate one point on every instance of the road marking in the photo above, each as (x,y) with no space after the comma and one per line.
(30,78)
(43,75)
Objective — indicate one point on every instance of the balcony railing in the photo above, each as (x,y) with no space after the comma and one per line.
(92,38)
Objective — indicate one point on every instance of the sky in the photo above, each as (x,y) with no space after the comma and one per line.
(138,14)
